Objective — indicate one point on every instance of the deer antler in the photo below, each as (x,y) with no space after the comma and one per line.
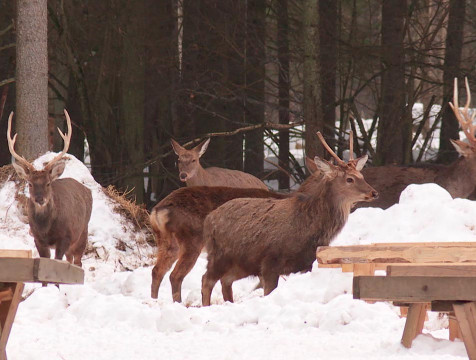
(462,116)
(66,138)
(11,145)
(329,150)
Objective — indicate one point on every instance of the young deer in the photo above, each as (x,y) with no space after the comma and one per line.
(177,223)
(458,178)
(191,172)
(58,209)
(269,237)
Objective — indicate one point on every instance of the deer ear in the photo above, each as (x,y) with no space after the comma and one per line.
(311,165)
(360,162)
(323,166)
(57,169)
(202,147)
(176,146)
(21,171)
(464,149)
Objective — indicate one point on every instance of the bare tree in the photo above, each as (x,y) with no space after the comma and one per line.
(311,78)
(452,69)
(394,133)
(32,77)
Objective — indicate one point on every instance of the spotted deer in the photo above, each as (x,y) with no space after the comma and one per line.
(272,237)
(459,178)
(177,223)
(58,209)
(193,174)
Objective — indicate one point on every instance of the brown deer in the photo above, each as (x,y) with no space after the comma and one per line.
(269,237)
(58,209)
(457,178)
(191,172)
(177,223)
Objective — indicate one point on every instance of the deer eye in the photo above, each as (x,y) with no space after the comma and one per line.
(194,160)
(349,180)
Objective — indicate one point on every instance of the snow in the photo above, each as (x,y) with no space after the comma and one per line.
(309,315)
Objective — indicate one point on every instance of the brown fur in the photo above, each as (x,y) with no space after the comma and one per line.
(177,223)
(268,237)
(458,179)
(63,221)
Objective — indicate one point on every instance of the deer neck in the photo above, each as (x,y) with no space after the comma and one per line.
(41,216)
(201,178)
(326,212)
(458,178)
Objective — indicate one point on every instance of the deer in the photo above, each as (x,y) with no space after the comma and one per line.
(193,174)
(457,178)
(58,209)
(177,224)
(273,237)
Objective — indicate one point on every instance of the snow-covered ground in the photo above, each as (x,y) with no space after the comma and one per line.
(309,315)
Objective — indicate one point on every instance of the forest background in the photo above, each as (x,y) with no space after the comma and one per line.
(133,74)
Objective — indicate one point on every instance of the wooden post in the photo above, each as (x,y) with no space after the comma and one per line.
(414,324)
(466,316)
(453,328)
(8,310)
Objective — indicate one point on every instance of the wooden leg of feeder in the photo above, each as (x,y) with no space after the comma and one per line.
(414,324)
(8,310)
(466,316)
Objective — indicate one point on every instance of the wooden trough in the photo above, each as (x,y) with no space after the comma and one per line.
(16,268)
(421,276)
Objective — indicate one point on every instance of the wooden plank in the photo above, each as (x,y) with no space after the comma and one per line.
(396,254)
(40,270)
(432,270)
(15,253)
(364,269)
(414,289)
(8,310)
(453,328)
(57,271)
(466,316)
(414,324)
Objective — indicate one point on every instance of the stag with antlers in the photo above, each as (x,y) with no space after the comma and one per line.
(457,178)
(270,237)
(58,209)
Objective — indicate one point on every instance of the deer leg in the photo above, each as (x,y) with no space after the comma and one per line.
(227,281)
(76,249)
(166,256)
(43,250)
(216,269)
(185,263)
(62,246)
(269,275)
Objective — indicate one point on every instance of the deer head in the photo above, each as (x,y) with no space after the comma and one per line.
(39,181)
(189,160)
(346,176)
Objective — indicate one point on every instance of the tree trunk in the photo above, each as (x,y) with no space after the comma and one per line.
(328,59)
(283,90)
(452,66)
(7,71)
(161,63)
(132,99)
(312,103)
(394,131)
(32,78)
(255,75)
